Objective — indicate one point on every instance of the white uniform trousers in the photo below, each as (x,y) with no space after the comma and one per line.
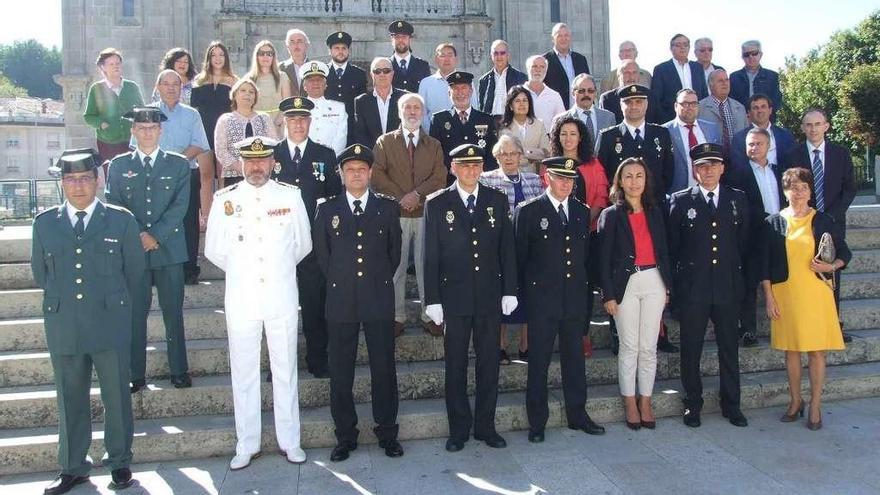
(411,236)
(245,337)
(638,326)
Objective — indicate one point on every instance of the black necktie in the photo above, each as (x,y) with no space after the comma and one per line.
(296,157)
(338,73)
(147,166)
(639,137)
(711,202)
(248,130)
(562,215)
(403,65)
(357,208)
(80,228)
(471,203)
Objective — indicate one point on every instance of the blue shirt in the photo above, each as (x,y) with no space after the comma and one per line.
(182,129)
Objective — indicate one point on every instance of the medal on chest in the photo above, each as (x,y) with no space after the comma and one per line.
(318,170)
(657,145)
(450,217)
(227,208)
(491,212)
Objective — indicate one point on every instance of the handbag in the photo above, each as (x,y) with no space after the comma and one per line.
(826,253)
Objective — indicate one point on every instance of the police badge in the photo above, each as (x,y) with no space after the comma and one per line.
(618,148)
(447,126)
(692,214)
(227,207)
(544,223)
(481,130)
(277,168)
(450,217)
(334,222)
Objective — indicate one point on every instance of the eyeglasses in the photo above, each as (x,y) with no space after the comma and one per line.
(499,52)
(706,49)
(262,53)
(581,91)
(753,53)
(383,70)
(78,181)
(681,45)
(689,104)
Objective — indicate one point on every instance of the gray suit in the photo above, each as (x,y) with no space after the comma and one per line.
(709,111)
(681,150)
(604,119)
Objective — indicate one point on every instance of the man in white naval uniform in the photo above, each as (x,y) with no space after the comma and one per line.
(258,231)
(329,119)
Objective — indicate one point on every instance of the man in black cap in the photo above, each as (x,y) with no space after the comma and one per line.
(470,280)
(154,184)
(708,230)
(409,70)
(311,167)
(357,242)
(88,259)
(464,124)
(552,247)
(345,81)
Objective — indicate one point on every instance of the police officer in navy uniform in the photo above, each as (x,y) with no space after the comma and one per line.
(87,258)
(311,167)
(409,70)
(463,124)
(470,280)
(154,185)
(552,248)
(356,239)
(708,232)
(345,81)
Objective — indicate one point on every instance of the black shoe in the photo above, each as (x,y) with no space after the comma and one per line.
(692,418)
(847,338)
(454,445)
(392,448)
(664,345)
(182,381)
(736,418)
(536,436)
(749,340)
(269,377)
(121,479)
(191,279)
(524,356)
(321,373)
(503,358)
(340,452)
(137,385)
(634,426)
(589,427)
(493,440)
(63,483)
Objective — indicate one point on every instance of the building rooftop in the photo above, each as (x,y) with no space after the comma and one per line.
(31,111)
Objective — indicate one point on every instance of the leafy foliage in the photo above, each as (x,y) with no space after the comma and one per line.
(30,65)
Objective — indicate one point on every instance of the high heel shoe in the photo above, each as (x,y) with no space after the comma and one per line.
(634,426)
(791,418)
(815,426)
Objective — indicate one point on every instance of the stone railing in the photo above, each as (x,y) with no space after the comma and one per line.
(391,8)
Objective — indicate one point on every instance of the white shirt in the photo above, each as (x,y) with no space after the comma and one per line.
(71,213)
(464,194)
(111,87)
(766,180)
(383,106)
(821,148)
(455,113)
(593,123)
(334,66)
(567,64)
(548,104)
(706,194)
(632,130)
(701,138)
(684,74)
(707,71)
(500,92)
(363,200)
(771,152)
(555,202)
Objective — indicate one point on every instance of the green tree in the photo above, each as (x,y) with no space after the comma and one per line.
(9,90)
(31,65)
(859,97)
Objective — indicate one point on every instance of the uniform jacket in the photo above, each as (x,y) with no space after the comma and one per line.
(257,235)
(329,124)
(616,144)
(840,185)
(556,77)
(665,84)
(448,129)
(617,249)
(681,150)
(469,262)
(486,86)
(345,90)
(358,255)
(393,175)
(87,284)
(705,251)
(417,69)
(367,123)
(317,176)
(766,83)
(773,255)
(158,200)
(552,258)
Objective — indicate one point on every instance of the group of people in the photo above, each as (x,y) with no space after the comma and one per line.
(516,196)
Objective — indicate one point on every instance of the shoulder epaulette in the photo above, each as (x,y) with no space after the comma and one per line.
(285,184)
(530,200)
(225,190)
(54,209)
(118,208)
(385,196)
(434,194)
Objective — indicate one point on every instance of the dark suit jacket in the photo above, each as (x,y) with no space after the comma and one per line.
(552,258)
(774,257)
(616,145)
(665,84)
(784,144)
(417,70)
(609,101)
(449,130)
(617,249)
(840,185)
(307,177)
(288,68)
(359,269)
(556,77)
(766,83)
(469,262)
(352,84)
(743,178)
(486,86)
(367,125)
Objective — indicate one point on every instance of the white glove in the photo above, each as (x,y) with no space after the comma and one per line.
(508,304)
(435,313)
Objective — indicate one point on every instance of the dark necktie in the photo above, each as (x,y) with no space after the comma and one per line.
(80,227)
(692,138)
(338,73)
(248,130)
(588,121)
(463,117)
(403,65)
(819,180)
(358,211)
(411,150)
(562,216)
(725,128)
(296,157)
(711,202)
(639,139)
(471,203)
(148,167)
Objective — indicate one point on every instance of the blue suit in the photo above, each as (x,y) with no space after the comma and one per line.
(784,144)
(665,84)
(766,83)
(681,150)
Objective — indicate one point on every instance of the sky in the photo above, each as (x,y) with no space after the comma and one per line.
(790,27)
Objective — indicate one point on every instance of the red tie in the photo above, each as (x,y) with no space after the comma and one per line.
(692,138)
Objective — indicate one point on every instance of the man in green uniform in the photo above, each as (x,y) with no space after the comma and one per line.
(154,185)
(87,258)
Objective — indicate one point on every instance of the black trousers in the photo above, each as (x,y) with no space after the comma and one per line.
(312,296)
(343,339)
(191,225)
(485,330)
(542,334)
(693,318)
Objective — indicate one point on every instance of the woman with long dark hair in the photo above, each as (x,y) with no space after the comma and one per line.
(179,60)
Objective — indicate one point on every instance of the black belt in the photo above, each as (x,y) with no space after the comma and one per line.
(641,268)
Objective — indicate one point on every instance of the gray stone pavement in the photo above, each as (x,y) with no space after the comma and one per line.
(768,457)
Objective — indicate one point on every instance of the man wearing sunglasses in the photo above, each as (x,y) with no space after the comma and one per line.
(703,51)
(376,113)
(753,79)
(493,85)
(584,94)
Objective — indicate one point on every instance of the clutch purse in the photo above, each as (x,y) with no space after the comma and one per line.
(826,253)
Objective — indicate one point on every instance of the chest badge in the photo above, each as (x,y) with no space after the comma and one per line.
(491,212)
(692,214)
(544,223)
(227,207)
(318,170)
(618,148)
(657,144)
(450,217)
(447,126)
(277,168)
(334,222)
(130,174)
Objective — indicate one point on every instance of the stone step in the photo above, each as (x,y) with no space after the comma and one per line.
(864,261)
(33,406)
(860,286)
(863,216)
(863,237)
(190,437)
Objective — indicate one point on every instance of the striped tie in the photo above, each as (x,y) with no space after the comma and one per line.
(819,180)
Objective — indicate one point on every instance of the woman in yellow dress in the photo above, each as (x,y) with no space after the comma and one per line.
(800,303)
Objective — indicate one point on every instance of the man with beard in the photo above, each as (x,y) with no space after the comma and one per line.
(409,70)
(345,81)
(434,89)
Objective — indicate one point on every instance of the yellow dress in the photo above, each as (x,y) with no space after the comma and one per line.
(808,318)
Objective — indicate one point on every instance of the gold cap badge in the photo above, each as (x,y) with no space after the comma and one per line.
(339,35)
(632,89)
(257,145)
(470,152)
(569,164)
(297,103)
(357,150)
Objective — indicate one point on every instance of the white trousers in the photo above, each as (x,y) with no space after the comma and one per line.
(411,237)
(245,337)
(638,326)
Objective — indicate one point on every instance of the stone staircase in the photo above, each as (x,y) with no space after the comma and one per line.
(197,422)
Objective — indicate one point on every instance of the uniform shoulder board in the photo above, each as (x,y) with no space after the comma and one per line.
(225,190)
(434,194)
(118,208)
(176,155)
(531,200)
(48,211)
(285,184)
(495,188)
(384,196)
(578,201)
(127,154)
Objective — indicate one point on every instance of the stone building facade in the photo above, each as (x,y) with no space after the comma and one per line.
(32,136)
(144,29)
